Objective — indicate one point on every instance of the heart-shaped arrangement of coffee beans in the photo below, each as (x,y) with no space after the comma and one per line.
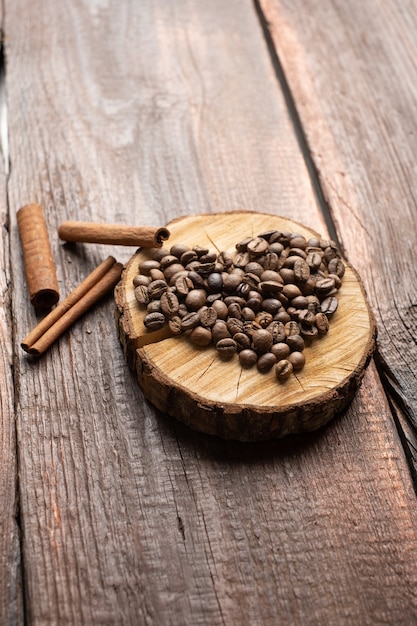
(264,303)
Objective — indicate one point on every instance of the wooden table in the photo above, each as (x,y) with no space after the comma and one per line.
(139,112)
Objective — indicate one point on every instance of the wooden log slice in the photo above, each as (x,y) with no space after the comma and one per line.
(220,397)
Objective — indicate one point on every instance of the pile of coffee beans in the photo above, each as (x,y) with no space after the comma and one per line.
(264,303)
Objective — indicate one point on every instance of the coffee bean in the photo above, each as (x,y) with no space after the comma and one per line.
(265,362)
(220,331)
(200,336)
(146,266)
(174,324)
(324,285)
(221,309)
(201,251)
(297,360)
(169,304)
(156,288)
(271,305)
(257,246)
(329,305)
(154,321)
(261,341)
(280,350)
(242,341)
(195,299)
(277,330)
(291,328)
(154,305)
(283,369)
(208,316)
(172,270)
(190,320)
(247,313)
(336,266)
(140,280)
(248,358)
(141,294)
(188,257)
(301,270)
(226,259)
(226,348)
(322,323)
(234,325)
(215,282)
(264,319)
(295,343)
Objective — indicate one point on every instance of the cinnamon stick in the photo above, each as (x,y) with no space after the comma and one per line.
(92,289)
(38,261)
(115,234)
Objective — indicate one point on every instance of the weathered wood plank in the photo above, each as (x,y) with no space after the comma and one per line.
(11,611)
(352,72)
(142,113)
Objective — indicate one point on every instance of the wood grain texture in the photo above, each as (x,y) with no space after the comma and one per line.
(11,604)
(219,396)
(126,112)
(352,72)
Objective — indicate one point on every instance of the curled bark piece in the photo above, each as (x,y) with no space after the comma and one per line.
(113,234)
(37,257)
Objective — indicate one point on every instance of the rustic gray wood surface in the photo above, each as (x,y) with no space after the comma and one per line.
(139,113)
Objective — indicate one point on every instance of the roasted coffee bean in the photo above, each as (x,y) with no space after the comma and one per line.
(324,286)
(228,300)
(257,246)
(276,248)
(183,285)
(154,305)
(270,288)
(205,269)
(242,341)
(336,266)
(158,253)
(200,336)
(225,258)
(322,323)
(197,280)
(254,301)
(141,294)
(169,304)
(331,253)
(301,270)
(261,341)
(241,259)
(178,249)
(174,324)
(188,257)
(234,325)
(271,305)
(220,331)
(172,270)
(156,274)
(277,330)
(141,280)
(221,309)
(307,317)
(243,290)
(308,332)
(195,299)
(287,275)
(146,266)
(167,260)
(241,246)
(268,234)
(208,316)
(295,343)
(297,360)
(298,241)
(214,282)
(235,310)
(190,320)
(248,313)
(263,319)
(329,305)
(266,362)
(226,348)
(297,252)
(182,310)
(292,328)
(248,358)
(313,242)
(271,261)
(283,369)
(280,350)
(231,281)
(210,257)
(154,321)
(282,316)
(300,302)
(337,280)
(213,297)
(156,288)
(252,280)
(293,312)
(253,267)
(291,291)
(201,251)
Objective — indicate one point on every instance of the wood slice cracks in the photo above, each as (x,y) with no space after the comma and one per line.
(220,397)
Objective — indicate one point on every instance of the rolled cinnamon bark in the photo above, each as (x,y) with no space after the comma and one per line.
(94,293)
(114,234)
(66,304)
(38,261)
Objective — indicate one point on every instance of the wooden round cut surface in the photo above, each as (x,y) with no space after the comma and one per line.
(220,397)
